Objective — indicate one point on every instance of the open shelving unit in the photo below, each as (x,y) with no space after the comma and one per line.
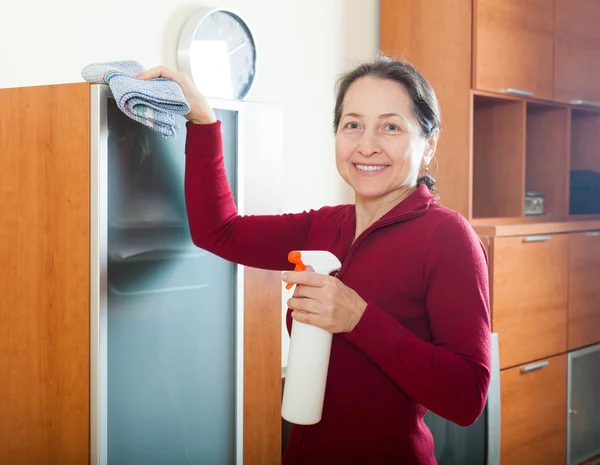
(525,145)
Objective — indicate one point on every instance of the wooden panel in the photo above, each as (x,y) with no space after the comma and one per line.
(577,50)
(585,140)
(436,37)
(505,227)
(498,158)
(262,367)
(44,277)
(584,289)
(529,299)
(514,46)
(533,416)
(548,150)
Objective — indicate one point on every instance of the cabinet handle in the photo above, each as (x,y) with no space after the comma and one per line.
(572,412)
(537,238)
(593,233)
(590,103)
(535,366)
(510,90)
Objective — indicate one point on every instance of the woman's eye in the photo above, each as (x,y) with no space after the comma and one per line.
(392,127)
(352,125)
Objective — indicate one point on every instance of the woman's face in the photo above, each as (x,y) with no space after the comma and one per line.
(379,145)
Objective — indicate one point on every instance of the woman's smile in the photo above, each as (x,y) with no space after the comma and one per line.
(369,169)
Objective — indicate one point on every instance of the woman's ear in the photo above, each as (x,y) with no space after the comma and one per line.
(431,146)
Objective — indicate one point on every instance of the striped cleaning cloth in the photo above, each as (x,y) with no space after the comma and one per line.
(155,103)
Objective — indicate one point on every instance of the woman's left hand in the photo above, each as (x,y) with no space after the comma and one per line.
(324,301)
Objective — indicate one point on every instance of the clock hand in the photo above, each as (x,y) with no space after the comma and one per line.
(232,51)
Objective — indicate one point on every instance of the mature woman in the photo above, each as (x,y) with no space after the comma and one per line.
(409,308)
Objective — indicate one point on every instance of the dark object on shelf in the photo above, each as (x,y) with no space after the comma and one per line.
(534,203)
(584,192)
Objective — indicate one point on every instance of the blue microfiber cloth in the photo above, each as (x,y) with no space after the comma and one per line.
(154,103)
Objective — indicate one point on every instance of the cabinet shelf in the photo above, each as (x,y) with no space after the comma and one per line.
(585,157)
(547,156)
(498,157)
(525,145)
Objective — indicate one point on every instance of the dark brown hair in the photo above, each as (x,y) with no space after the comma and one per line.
(424,102)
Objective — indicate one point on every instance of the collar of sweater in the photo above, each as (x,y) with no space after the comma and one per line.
(415,205)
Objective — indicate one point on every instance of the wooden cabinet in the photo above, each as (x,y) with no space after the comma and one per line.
(533,418)
(584,289)
(577,51)
(45,234)
(44,277)
(529,281)
(514,46)
(436,37)
(498,157)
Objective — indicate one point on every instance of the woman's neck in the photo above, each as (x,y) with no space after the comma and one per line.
(369,209)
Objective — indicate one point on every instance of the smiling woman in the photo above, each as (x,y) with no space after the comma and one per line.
(407,136)
(409,308)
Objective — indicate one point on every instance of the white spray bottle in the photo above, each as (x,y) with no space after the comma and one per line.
(308,357)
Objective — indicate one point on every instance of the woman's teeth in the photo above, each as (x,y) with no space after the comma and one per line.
(370,168)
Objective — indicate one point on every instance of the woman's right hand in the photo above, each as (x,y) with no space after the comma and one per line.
(200,111)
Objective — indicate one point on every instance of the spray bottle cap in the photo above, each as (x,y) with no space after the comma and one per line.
(295,257)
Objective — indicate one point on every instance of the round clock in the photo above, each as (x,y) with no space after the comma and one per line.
(216,49)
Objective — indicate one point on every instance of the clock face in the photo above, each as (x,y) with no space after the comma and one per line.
(222,55)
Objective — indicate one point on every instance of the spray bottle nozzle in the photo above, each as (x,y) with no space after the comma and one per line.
(295,257)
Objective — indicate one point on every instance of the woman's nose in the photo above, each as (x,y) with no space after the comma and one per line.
(368,144)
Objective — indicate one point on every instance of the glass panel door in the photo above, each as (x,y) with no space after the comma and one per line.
(171,309)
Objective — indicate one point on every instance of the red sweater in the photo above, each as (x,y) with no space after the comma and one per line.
(423,342)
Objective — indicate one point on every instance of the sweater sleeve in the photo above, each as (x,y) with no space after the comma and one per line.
(215,225)
(450,375)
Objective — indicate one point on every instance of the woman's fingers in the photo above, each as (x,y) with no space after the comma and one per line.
(159,71)
(200,110)
(304,305)
(302,277)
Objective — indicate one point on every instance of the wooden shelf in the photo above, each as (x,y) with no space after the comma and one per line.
(585,151)
(502,227)
(498,157)
(585,139)
(547,156)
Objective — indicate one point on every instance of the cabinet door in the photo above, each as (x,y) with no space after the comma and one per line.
(514,46)
(45,275)
(584,409)
(529,296)
(577,51)
(534,406)
(584,289)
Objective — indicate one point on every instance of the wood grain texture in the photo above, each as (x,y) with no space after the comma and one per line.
(548,156)
(505,227)
(584,289)
(577,50)
(436,38)
(533,415)
(498,158)
(514,46)
(262,367)
(44,278)
(585,140)
(529,299)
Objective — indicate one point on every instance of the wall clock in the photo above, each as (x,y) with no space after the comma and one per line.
(216,49)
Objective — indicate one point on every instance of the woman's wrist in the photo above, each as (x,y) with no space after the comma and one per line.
(201,119)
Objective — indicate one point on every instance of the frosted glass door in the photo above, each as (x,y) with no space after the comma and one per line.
(584,404)
(171,309)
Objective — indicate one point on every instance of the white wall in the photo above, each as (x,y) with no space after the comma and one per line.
(302,47)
